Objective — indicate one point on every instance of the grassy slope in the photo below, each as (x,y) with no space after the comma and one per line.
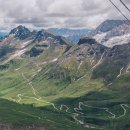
(25,115)
(103,99)
(48,87)
(62,82)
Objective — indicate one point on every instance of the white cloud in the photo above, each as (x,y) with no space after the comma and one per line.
(58,13)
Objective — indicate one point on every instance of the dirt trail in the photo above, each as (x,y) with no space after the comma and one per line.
(124,106)
(120,72)
(99,62)
(101,108)
(64,106)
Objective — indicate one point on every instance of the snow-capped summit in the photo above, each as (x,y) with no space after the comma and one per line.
(112,32)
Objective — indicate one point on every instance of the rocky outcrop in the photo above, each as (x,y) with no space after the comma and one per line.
(87,40)
(21,32)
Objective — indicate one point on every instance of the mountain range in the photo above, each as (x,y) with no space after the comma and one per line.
(46,83)
(73,35)
(112,32)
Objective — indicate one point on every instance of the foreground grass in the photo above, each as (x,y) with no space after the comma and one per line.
(26,115)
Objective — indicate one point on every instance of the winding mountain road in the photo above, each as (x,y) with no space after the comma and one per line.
(120,72)
(124,106)
(64,106)
(78,110)
(101,108)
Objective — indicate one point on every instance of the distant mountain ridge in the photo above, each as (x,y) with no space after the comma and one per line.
(73,35)
(2,35)
(22,41)
(112,32)
(23,33)
(108,25)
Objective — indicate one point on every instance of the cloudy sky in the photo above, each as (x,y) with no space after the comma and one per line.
(58,13)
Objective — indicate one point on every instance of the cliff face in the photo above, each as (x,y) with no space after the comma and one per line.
(7,127)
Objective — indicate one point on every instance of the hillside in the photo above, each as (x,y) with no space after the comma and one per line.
(26,117)
(87,84)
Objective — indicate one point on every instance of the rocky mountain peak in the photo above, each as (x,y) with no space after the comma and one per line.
(112,32)
(87,40)
(109,25)
(20,32)
(42,35)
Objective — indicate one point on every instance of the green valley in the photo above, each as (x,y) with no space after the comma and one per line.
(47,83)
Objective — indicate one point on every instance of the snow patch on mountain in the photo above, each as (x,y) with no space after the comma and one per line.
(24,44)
(112,32)
(118,40)
(99,37)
